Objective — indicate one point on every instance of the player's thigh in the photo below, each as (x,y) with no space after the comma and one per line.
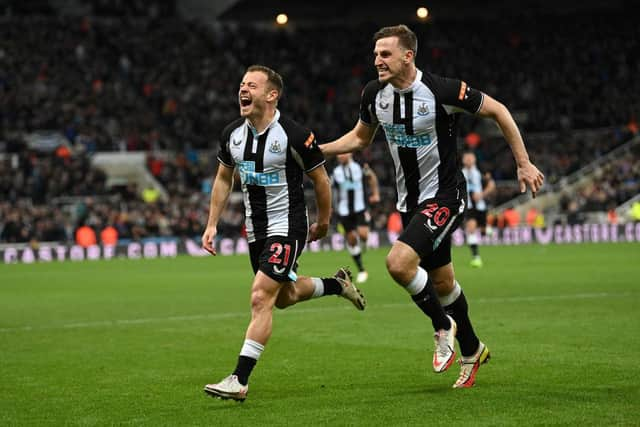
(348,222)
(352,237)
(362,223)
(279,257)
(440,257)
(255,251)
(264,291)
(363,232)
(481,219)
(431,227)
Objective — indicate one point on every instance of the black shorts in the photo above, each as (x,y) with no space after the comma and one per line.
(428,229)
(479,216)
(277,257)
(353,221)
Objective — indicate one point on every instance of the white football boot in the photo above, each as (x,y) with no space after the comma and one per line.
(349,290)
(362,277)
(470,365)
(444,353)
(228,388)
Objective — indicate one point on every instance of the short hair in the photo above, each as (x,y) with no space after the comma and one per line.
(273,78)
(406,38)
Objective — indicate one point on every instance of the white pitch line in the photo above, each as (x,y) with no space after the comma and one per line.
(214,316)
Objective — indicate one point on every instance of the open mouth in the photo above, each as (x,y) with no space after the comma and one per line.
(245,101)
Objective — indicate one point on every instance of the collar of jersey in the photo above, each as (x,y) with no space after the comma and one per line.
(412,86)
(276,117)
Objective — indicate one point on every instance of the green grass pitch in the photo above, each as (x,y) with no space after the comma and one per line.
(133,342)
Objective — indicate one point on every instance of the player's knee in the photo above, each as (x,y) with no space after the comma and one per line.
(259,300)
(397,269)
(443,286)
(352,238)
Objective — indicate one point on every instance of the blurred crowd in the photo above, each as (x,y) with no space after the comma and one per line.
(132,76)
(612,185)
(50,197)
(148,80)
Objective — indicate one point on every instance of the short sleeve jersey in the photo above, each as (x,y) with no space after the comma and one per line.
(271,165)
(420,125)
(474,185)
(349,182)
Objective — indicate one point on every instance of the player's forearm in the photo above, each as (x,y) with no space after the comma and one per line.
(219,196)
(347,143)
(512,136)
(322,188)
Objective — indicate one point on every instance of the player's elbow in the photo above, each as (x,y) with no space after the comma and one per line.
(363,141)
(493,108)
(499,111)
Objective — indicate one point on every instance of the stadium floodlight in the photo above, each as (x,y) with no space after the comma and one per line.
(282,19)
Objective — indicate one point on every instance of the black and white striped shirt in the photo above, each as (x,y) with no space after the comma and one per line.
(271,166)
(420,123)
(474,185)
(349,181)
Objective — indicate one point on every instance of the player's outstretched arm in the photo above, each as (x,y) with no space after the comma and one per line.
(322,188)
(528,173)
(219,196)
(358,138)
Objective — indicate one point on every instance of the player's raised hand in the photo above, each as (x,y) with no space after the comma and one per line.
(207,239)
(317,231)
(530,176)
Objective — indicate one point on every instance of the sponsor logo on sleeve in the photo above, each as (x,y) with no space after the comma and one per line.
(463,91)
(310,140)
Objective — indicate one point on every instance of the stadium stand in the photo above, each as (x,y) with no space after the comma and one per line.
(132,76)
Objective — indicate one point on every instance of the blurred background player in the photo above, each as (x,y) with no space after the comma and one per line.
(348,178)
(418,112)
(271,153)
(479,187)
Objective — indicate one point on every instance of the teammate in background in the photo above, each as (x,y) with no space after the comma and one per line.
(476,215)
(418,112)
(348,177)
(271,152)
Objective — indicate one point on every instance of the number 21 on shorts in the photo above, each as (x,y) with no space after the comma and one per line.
(277,249)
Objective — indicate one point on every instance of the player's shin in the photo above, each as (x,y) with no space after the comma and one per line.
(473,240)
(455,305)
(340,284)
(356,254)
(424,296)
(249,355)
(325,286)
